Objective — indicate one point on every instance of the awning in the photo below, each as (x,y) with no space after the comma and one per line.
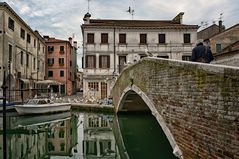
(24,80)
(49,82)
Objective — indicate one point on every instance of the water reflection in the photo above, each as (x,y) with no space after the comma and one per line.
(79,135)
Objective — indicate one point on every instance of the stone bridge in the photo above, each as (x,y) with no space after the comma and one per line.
(197,105)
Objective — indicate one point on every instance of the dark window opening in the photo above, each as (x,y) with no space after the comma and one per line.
(143,38)
(90,38)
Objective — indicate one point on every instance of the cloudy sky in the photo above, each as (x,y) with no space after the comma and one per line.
(63,18)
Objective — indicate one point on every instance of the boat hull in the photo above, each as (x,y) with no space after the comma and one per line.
(42,109)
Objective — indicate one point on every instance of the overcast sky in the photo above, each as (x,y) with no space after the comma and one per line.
(63,18)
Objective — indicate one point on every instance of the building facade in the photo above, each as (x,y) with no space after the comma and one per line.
(110,44)
(22,54)
(224,39)
(210,31)
(61,64)
(225,47)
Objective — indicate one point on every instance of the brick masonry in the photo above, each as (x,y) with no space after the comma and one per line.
(198,103)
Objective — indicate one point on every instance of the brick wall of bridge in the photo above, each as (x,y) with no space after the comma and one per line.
(199,103)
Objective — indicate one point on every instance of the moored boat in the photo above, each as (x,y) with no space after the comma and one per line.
(9,106)
(41,106)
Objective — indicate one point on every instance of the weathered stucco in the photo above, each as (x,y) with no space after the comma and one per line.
(195,104)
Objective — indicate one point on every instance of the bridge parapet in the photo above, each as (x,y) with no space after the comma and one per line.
(197,105)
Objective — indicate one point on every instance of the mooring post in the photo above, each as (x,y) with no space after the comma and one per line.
(4,88)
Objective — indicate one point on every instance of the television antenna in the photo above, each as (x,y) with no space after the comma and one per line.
(220,18)
(88,7)
(131,10)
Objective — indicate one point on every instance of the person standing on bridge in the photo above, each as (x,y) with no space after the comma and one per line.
(201,53)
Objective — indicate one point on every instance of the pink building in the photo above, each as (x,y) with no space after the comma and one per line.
(61,64)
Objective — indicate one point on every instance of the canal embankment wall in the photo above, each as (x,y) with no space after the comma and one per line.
(197,105)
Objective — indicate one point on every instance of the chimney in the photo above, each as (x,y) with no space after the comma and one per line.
(178,18)
(220,26)
(75,44)
(46,37)
(87,18)
(70,40)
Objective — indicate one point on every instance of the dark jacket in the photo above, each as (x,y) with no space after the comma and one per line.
(200,52)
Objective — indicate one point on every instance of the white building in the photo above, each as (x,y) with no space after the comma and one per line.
(110,44)
(22,52)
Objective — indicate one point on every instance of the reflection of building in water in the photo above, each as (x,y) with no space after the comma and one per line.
(62,137)
(40,139)
(99,139)
(24,142)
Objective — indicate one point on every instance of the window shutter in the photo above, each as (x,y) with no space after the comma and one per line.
(86,61)
(108,61)
(100,62)
(94,61)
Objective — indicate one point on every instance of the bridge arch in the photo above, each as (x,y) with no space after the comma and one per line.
(145,104)
(195,104)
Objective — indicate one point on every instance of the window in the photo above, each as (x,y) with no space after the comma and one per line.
(11,24)
(62,147)
(34,43)
(50,49)
(50,73)
(61,61)
(218,48)
(93,122)
(22,34)
(165,57)
(90,61)
(50,61)
(21,59)
(104,61)
(186,38)
(61,134)
(38,64)
(27,61)
(10,52)
(93,86)
(104,38)
(143,38)
(61,73)
(62,123)
(50,134)
(34,63)
(143,56)
(161,38)
(50,146)
(38,46)
(186,58)
(122,38)
(28,38)
(90,38)
(61,49)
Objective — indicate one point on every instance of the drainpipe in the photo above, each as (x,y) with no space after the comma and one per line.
(66,70)
(3,43)
(114,53)
(38,46)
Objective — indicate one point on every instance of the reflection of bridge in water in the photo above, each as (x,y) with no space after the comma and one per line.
(195,104)
(138,136)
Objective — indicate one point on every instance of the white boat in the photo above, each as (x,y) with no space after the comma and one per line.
(26,121)
(41,106)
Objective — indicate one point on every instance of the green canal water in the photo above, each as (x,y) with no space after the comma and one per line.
(79,135)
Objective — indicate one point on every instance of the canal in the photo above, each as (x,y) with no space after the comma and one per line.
(79,135)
